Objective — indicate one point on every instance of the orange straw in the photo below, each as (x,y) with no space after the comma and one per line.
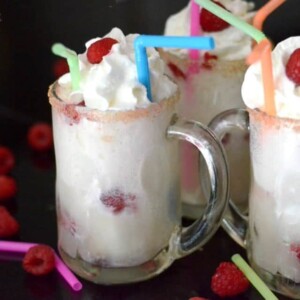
(262,51)
(264,12)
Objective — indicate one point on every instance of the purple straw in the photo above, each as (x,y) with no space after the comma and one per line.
(21,247)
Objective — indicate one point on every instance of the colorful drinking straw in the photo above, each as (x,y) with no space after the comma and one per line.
(261,287)
(264,12)
(143,41)
(195,29)
(263,52)
(140,44)
(222,13)
(72,60)
(21,247)
(258,36)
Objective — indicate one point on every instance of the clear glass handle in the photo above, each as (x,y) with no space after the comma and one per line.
(203,138)
(234,222)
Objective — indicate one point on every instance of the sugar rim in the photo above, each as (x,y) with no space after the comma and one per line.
(152,110)
(225,67)
(262,116)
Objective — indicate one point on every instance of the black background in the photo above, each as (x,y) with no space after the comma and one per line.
(28,28)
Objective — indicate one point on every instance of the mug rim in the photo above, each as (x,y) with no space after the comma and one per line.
(260,115)
(76,111)
(224,66)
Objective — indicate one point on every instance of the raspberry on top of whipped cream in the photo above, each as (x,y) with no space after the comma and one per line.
(112,84)
(287,92)
(230,43)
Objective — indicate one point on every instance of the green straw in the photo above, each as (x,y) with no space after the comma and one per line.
(231,19)
(72,59)
(253,277)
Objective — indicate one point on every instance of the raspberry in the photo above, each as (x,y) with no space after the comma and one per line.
(39,137)
(176,71)
(60,67)
(7,160)
(39,260)
(118,201)
(209,60)
(210,22)
(225,139)
(246,137)
(292,68)
(8,224)
(100,48)
(296,249)
(228,280)
(8,187)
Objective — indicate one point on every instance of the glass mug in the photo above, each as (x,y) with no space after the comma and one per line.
(209,88)
(271,231)
(117,189)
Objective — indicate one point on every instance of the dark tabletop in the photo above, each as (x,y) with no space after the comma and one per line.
(27,31)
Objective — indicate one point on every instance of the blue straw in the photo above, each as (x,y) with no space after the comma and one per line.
(143,41)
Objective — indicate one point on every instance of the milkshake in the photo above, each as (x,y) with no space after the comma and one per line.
(117,175)
(212,84)
(273,237)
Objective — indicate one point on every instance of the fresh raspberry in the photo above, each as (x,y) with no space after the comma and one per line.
(176,71)
(8,187)
(98,49)
(7,160)
(118,201)
(40,137)
(228,280)
(39,260)
(292,68)
(210,22)
(8,224)
(60,67)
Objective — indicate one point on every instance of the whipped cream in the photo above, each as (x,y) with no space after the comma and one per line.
(230,43)
(112,84)
(287,94)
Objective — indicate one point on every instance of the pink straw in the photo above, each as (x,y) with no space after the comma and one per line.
(194,27)
(189,154)
(190,174)
(20,247)
(67,274)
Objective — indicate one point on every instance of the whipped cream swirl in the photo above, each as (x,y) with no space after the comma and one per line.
(287,93)
(112,84)
(230,43)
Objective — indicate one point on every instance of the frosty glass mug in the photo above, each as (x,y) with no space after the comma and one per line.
(271,232)
(117,189)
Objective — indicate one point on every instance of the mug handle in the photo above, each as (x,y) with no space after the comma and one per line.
(197,234)
(234,222)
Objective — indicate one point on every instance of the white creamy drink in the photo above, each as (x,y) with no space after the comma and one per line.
(216,85)
(117,176)
(274,240)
